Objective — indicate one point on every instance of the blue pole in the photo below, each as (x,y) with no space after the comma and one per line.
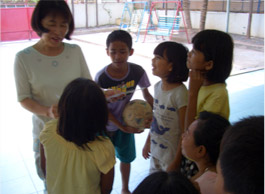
(227,14)
(258,9)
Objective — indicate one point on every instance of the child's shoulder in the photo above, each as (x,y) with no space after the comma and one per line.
(216,87)
(135,67)
(50,128)
(101,143)
(217,90)
(100,73)
(51,125)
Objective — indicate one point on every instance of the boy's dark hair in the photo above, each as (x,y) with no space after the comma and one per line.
(165,183)
(119,35)
(176,54)
(83,112)
(242,156)
(54,7)
(216,46)
(209,132)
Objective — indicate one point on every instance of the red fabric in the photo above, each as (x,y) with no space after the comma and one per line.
(15,24)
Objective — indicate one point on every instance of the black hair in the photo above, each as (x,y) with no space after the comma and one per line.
(176,54)
(165,183)
(209,132)
(47,7)
(83,112)
(242,156)
(119,35)
(216,46)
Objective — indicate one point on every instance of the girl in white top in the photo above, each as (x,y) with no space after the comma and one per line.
(201,144)
(170,101)
(43,70)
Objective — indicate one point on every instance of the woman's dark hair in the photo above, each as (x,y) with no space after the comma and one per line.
(209,132)
(83,112)
(242,156)
(217,46)
(119,35)
(176,54)
(165,183)
(54,7)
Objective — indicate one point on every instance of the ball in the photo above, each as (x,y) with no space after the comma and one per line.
(136,113)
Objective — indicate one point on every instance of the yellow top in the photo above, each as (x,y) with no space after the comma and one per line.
(70,169)
(214,98)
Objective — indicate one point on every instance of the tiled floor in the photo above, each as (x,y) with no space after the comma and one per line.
(17,169)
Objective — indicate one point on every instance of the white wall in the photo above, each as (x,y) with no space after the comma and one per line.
(108,13)
(238,22)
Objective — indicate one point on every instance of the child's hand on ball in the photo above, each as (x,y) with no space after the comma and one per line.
(148,123)
(129,129)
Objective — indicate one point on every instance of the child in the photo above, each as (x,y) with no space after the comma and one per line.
(79,157)
(123,76)
(201,144)
(165,183)
(210,64)
(170,101)
(43,70)
(240,167)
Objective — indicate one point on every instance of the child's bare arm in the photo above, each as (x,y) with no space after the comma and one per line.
(106,182)
(175,165)
(148,97)
(42,160)
(146,148)
(195,82)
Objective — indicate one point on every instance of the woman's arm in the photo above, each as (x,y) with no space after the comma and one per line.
(36,108)
(106,182)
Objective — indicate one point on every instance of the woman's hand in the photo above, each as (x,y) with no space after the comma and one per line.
(38,109)
(53,111)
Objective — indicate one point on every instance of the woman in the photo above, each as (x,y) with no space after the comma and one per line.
(43,70)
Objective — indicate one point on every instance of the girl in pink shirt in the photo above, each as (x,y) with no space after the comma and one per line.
(200,143)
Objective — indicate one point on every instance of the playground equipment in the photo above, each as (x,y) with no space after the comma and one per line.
(134,20)
(166,24)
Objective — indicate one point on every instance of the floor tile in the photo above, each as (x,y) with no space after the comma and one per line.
(242,104)
(13,171)
(22,185)
(9,154)
(30,165)
(115,191)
